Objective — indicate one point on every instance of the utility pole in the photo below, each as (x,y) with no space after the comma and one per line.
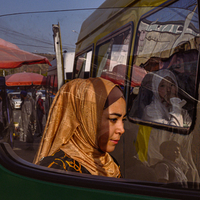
(59,56)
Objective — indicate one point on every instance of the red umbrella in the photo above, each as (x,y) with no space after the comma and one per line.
(23,79)
(12,57)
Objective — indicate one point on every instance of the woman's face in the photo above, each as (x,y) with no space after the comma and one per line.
(112,125)
(173,153)
(167,90)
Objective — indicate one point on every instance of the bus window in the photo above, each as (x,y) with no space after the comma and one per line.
(83,65)
(164,103)
(112,55)
(169,53)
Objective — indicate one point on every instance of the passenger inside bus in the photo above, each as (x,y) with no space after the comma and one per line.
(168,170)
(143,98)
(183,65)
(166,106)
(85,124)
(149,139)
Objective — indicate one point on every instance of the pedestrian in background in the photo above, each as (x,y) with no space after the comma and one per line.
(25,123)
(33,114)
(40,114)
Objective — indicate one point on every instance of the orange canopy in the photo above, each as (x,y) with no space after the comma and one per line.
(12,57)
(24,79)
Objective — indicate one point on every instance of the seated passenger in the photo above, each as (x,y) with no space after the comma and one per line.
(84,125)
(143,98)
(166,106)
(168,170)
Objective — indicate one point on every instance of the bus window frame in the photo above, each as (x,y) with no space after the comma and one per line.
(175,129)
(86,50)
(129,25)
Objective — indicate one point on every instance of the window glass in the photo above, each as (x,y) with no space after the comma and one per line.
(112,57)
(85,69)
(163,103)
(83,65)
(80,62)
(167,51)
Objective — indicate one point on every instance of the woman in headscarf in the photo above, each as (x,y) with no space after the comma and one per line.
(85,123)
(166,106)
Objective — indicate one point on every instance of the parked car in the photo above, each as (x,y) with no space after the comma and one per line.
(15,100)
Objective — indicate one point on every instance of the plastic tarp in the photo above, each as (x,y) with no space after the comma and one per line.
(25,79)
(12,57)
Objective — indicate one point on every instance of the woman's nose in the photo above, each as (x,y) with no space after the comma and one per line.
(121,128)
(169,88)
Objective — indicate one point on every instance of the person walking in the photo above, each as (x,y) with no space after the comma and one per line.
(25,122)
(40,113)
(33,113)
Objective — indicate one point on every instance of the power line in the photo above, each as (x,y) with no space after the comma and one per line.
(50,11)
(69,10)
(22,37)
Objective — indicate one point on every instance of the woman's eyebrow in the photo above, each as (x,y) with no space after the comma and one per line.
(119,115)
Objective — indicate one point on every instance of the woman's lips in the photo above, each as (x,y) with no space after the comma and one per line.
(115,141)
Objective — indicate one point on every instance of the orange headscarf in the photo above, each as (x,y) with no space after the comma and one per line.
(73,122)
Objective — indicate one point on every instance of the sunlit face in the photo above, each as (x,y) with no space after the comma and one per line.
(177,152)
(167,90)
(173,153)
(112,125)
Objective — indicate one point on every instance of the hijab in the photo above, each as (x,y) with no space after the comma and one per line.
(157,110)
(72,125)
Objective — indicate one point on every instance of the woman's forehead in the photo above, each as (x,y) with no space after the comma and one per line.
(167,79)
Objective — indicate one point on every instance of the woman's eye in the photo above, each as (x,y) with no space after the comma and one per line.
(113,119)
(124,119)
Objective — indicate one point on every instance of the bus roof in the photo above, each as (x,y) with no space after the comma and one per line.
(109,9)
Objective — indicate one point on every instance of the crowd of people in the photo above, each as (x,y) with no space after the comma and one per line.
(32,111)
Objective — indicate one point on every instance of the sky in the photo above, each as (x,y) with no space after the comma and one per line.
(28,23)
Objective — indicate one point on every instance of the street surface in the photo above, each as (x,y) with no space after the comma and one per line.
(21,148)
